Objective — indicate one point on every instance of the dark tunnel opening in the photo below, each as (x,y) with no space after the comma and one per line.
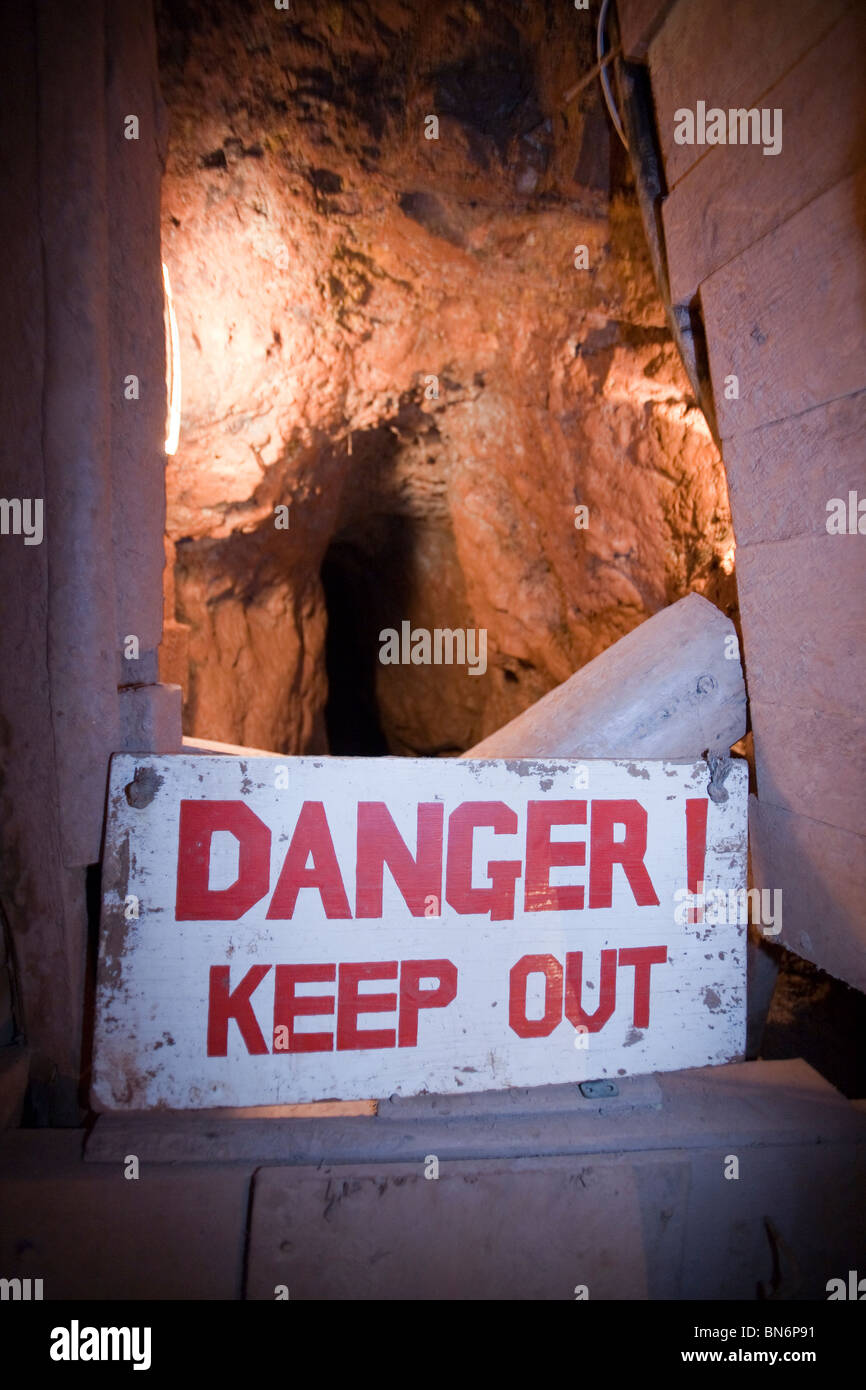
(352,718)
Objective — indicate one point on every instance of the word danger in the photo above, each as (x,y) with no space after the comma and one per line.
(617,836)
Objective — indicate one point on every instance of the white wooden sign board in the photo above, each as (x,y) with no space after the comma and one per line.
(276,931)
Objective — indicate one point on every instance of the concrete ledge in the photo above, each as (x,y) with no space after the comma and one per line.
(632,1205)
(633,1093)
(745,1104)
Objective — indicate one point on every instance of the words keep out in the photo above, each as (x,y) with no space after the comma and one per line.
(562,995)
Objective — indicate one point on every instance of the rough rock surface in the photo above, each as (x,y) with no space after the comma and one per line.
(388,335)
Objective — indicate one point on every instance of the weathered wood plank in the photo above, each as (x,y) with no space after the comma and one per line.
(234,750)
(737,194)
(77,389)
(811,762)
(727,53)
(786,317)
(821,870)
(781,476)
(804,625)
(43,900)
(666,690)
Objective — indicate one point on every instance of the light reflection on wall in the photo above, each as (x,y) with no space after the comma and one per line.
(172,369)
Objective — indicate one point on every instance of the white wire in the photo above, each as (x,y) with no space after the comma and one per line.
(603,74)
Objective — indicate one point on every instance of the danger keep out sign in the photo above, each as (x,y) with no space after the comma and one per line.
(287,930)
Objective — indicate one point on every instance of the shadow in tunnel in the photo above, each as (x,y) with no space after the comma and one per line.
(350,583)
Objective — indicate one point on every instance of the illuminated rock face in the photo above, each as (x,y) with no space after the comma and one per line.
(388,335)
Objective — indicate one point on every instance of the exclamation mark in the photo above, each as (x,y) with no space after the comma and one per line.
(696,849)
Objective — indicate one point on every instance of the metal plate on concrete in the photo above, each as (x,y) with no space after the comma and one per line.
(278,931)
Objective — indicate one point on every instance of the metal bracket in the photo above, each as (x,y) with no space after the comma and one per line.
(597,1090)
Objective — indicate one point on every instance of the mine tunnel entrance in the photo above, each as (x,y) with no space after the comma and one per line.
(366,584)
(409,400)
(352,602)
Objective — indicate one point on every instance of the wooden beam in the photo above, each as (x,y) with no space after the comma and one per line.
(736,194)
(804,629)
(811,762)
(786,317)
(781,476)
(666,690)
(822,873)
(728,53)
(235,750)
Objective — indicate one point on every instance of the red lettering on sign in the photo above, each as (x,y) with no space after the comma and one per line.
(288,1005)
(223,1005)
(312,837)
(542,854)
(413,998)
(574,1011)
(351,1004)
(418,877)
(605,851)
(696,850)
(498,899)
(525,1027)
(380,843)
(199,820)
(643,958)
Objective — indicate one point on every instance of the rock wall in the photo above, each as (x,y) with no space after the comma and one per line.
(386,336)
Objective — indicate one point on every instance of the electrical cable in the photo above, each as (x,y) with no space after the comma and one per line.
(604,76)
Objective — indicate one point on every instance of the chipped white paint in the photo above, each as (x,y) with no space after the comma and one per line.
(155,970)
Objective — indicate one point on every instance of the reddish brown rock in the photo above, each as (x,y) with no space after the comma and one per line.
(327,261)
